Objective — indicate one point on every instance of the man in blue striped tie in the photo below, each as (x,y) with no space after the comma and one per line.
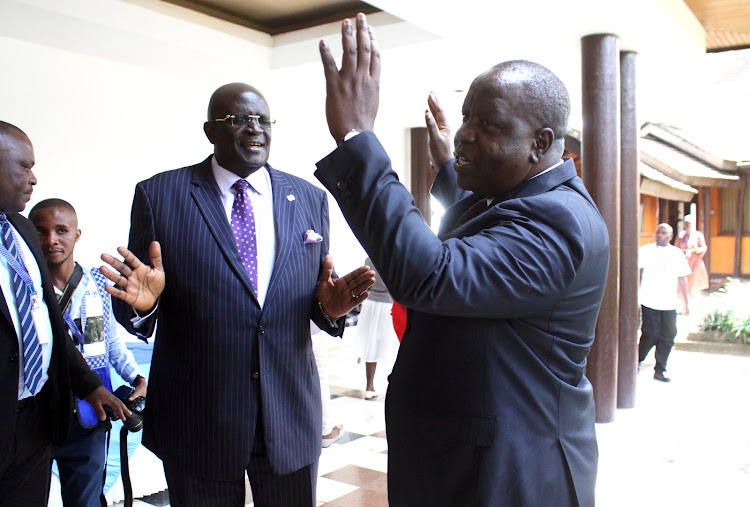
(39,365)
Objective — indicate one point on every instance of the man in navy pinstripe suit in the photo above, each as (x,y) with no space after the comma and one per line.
(233,384)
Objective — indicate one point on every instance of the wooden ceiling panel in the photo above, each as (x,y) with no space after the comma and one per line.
(727,23)
(277,16)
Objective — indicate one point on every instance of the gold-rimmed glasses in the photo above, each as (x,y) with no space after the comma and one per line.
(241,120)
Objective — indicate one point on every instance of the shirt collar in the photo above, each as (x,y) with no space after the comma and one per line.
(559,163)
(258,180)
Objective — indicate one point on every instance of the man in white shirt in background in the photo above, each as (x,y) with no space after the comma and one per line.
(663,268)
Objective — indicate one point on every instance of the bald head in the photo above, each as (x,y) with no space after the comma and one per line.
(8,129)
(16,160)
(225,96)
(546,95)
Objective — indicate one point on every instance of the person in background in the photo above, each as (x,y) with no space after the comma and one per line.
(87,309)
(692,242)
(40,363)
(375,339)
(320,342)
(663,270)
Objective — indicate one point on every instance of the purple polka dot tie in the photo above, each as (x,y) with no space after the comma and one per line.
(243,229)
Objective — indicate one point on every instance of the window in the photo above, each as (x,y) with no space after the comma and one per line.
(730,198)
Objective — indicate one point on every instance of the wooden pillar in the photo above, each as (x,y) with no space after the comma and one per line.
(600,157)
(421,175)
(705,224)
(627,355)
(739,226)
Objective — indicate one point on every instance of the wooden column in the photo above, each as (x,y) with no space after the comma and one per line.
(739,226)
(705,224)
(627,356)
(600,157)
(421,176)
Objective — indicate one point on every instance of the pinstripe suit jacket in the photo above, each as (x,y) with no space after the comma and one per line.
(214,344)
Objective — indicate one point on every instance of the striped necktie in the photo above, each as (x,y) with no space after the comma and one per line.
(24,292)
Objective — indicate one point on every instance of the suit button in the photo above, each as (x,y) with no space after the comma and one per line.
(256,375)
(14,357)
(343,187)
(261,329)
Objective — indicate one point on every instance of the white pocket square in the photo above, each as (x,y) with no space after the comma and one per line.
(312,237)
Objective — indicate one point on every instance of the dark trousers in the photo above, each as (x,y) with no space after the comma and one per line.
(269,489)
(296,489)
(80,461)
(658,328)
(25,481)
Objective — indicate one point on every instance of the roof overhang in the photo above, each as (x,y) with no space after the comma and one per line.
(684,168)
(658,185)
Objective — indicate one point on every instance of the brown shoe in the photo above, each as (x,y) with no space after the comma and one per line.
(659,375)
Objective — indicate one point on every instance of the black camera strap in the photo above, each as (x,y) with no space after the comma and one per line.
(124,468)
(70,288)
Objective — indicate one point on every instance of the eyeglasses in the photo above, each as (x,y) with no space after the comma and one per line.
(241,120)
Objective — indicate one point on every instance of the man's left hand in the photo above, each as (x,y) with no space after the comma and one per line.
(352,94)
(339,295)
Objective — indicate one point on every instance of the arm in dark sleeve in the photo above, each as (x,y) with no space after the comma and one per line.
(142,233)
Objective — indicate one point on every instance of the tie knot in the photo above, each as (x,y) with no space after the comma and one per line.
(241,185)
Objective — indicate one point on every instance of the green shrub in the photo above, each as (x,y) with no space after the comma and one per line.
(729,310)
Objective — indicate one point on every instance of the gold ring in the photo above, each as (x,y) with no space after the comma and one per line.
(354,296)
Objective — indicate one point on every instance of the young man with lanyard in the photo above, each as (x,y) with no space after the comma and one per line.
(87,310)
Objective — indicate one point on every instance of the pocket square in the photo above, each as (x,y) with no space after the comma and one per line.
(312,237)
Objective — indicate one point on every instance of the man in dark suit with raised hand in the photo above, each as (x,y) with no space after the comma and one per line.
(40,364)
(233,384)
(487,403)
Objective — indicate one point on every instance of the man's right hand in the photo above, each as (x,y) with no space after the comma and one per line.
(138,284)
(438,134)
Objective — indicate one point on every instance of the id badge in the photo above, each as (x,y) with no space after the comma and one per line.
(36,313)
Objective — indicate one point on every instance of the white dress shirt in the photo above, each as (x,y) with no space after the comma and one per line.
(39,311)
(261,197)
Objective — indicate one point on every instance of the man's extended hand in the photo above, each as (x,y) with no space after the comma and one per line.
(339,295)
(100,397)
(438,134)
(138,284)
(352,94)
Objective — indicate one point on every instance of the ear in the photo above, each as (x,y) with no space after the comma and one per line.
(78,235)
(542,142)
(208,128)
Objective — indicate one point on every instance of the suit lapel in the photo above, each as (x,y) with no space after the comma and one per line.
(284,210)
(206,195)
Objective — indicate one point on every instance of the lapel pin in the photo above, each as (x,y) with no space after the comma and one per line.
(290,197)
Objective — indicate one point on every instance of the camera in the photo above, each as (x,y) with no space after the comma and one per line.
(134,422)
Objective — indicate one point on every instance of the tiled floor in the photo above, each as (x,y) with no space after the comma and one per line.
(352,471)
